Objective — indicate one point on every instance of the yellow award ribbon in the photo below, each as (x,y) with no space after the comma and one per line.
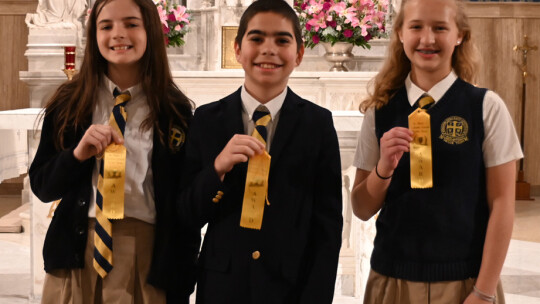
(114,173)
(256,191)
(420,152)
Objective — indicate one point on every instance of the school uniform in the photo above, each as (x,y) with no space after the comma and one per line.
(152,172)
(436,235)
(293,257)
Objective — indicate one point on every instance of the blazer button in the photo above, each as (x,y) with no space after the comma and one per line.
(82,203)
(256,255)
(80,230)
(215,200)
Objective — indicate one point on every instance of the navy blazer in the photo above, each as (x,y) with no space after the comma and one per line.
(293,258)
(59,175)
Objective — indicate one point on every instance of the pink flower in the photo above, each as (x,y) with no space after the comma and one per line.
(318,21)
(181,15)
(166,29)
(162,15)
(348,33)
(308,26)
(171,17)
(316,39)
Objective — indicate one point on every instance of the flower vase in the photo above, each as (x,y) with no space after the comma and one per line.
(338,54)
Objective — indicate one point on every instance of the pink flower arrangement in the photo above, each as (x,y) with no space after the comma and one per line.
(353,21)
(175,20)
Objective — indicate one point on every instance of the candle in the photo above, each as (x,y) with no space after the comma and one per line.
(69,52)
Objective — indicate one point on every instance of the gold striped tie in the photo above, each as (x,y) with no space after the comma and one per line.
(261,119)
(425,101)
(103,257)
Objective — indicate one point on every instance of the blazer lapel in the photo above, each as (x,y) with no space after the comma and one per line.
(231,116)
(288,118)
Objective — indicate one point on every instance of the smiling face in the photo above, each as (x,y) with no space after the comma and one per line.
(429,36)
(120,34)
(268,55)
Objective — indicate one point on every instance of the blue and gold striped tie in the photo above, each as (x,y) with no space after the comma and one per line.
(261,119)
(103,258)
(425,101)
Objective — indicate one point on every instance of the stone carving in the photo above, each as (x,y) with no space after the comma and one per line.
(58,14)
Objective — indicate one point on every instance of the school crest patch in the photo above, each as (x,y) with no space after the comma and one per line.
(454,130)
(177,137)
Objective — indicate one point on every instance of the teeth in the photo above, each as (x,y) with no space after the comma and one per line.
(117,48)
(268,66)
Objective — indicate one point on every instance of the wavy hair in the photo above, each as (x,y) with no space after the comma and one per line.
(396,67)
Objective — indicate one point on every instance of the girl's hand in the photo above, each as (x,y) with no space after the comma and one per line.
(392,145)
(239,149)
(95,140)
(472,299)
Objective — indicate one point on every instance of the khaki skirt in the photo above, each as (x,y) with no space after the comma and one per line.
(381,289)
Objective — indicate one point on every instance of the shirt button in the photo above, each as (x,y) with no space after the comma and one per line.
(82,203)
(80,230)
(256,255)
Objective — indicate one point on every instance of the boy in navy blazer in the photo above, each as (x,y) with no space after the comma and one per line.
(292,257)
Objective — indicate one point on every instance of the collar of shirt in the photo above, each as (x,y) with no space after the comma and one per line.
(135,91)
(436,92)
(250,104)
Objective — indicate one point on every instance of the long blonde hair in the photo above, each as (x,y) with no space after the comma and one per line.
(397,66)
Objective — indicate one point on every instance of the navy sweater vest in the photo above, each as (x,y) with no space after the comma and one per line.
(436,234)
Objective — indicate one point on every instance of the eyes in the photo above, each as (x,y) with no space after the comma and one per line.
(279,40)
(108,25)
(436,28)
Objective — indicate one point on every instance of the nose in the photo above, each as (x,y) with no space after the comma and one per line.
(428,36)
(119,32)
(268,48)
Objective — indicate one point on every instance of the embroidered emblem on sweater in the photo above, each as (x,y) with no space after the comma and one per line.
(177,136)
(454,130)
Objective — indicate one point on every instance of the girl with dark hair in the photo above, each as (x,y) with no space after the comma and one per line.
(110,150)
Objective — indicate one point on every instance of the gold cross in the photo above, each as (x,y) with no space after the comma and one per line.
(525,48)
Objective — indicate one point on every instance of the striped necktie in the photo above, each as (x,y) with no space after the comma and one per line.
(261,117)
(103,258)
(425,101)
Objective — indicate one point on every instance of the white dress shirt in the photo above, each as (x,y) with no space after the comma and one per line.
(500,145)
(250,104)
(139,188)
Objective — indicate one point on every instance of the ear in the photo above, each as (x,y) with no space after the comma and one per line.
(400,35)
(237,51)
(459,38)
(300,55)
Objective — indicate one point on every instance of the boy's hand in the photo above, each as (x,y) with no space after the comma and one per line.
(393,144)
(238,150)
(95,140)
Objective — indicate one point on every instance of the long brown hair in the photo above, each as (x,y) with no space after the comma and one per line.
(397,66)
(75,100)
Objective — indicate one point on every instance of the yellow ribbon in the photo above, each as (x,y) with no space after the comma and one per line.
(114,173)
(420,153)
(256,191)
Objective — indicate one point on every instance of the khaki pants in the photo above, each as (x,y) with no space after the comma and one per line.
(386,290)
(126,283)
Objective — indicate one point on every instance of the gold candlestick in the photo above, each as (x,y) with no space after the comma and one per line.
(523,188)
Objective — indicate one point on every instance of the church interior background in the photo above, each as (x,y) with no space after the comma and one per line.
(35,32)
